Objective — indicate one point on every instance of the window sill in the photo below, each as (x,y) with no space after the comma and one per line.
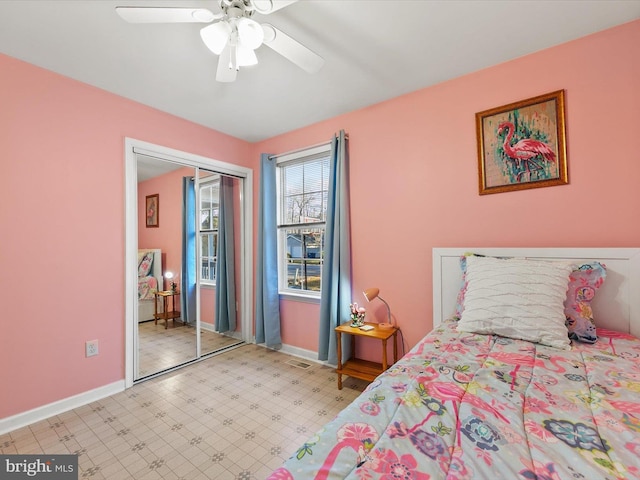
(210,286)
(299,298)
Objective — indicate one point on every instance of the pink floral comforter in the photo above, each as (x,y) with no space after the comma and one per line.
(469,406)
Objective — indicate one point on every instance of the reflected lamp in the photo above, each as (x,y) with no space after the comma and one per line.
(170,278)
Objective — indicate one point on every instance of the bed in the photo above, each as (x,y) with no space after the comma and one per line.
(149,281)
(466,405)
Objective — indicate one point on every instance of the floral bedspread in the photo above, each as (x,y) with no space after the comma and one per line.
(470,406)
(146,287)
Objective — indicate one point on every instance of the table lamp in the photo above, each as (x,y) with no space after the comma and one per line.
(370,294)
(169,277)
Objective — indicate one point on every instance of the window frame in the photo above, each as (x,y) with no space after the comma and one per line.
(298,157)
(206,183)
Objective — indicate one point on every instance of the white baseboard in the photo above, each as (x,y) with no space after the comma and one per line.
(40,413)
(309,355)
(209,327)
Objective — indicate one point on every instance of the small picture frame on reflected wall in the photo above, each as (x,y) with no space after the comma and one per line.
(152,210)
(522,145)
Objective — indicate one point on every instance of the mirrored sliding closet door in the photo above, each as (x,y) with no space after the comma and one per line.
(189,241)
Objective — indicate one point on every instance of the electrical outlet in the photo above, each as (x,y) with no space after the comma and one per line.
(91,348)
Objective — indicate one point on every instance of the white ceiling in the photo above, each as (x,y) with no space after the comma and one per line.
(374,50)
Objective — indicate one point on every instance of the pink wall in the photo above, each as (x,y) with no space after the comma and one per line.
(413,164)
(414,178)
(62,217)
(167,236)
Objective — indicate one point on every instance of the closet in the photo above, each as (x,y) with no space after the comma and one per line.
(188,286)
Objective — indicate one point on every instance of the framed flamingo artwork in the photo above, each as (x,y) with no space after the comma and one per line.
(522,145)
(152,210)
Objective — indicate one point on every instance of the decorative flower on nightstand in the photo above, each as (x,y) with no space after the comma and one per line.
(357,315)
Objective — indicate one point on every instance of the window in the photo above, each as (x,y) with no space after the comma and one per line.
(209,214)
(303,182)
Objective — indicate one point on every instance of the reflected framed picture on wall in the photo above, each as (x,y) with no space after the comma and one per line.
(522,145)
(152,210)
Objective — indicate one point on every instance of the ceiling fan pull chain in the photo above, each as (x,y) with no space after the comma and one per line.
(233,57)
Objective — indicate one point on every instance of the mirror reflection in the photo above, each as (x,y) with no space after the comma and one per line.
(188,270)
(166,328)
(218,224)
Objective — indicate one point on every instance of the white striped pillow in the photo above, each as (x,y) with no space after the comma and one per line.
(517,298)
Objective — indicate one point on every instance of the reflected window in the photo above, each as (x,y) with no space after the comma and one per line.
(209,215)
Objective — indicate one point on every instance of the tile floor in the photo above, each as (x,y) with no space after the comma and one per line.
(160,348)
(237,416)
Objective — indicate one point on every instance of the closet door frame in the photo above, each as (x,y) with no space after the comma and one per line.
(134,147)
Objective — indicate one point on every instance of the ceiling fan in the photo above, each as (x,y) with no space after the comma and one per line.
(234,35)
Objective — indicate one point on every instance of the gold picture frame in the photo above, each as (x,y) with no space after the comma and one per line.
(152,210)
(522,145)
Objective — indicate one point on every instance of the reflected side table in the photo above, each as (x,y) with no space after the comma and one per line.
(166,314)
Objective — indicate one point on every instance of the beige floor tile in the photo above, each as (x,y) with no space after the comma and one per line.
(234,416)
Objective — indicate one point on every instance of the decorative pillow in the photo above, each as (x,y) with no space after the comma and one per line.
(144,265)
(517,298)
(583,284)
(463,286)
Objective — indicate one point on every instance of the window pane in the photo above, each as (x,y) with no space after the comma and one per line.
(209,206)
(215,215)
(209,211)
(205,220)
(313,177)
(208,256)
(292,179)
(304,191)
(313,207)
(294,206)
(303,261)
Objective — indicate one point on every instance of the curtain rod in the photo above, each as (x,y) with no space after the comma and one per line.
(271,157)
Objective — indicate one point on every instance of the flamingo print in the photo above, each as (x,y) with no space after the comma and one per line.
(612,334)
(520,359)
(445,391)
(525,151)
(357,436)
(450,391)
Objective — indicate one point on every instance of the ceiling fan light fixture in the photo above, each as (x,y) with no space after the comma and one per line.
(250,33)
(245,57)
(216,36)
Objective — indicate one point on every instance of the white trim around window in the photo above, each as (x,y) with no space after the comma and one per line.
(301,235)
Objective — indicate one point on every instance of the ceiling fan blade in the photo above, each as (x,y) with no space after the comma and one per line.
(167,15)
(266,7)
(291,49)
(226,72)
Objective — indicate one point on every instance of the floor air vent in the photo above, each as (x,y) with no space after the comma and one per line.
(298,363)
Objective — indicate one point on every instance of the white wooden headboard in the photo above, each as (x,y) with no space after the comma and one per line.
(616,305)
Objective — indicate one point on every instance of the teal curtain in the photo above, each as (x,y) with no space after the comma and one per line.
(225,319)
(336,271)
(188,272)
(267,314)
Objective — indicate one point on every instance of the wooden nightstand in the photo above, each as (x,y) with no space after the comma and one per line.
(364,369)
(166,314)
